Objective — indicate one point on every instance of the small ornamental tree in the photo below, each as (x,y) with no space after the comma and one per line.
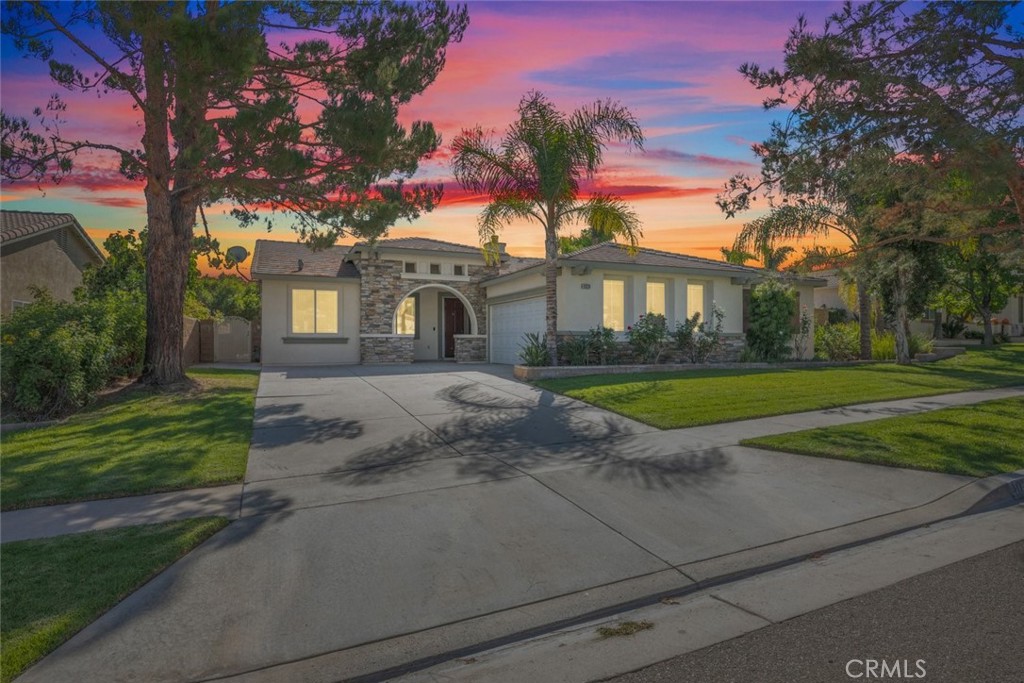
(649,337)
(772,307)
(699,340)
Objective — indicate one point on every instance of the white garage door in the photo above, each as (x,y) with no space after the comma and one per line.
(509,322)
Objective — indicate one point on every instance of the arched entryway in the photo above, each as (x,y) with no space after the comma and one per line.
(436,315)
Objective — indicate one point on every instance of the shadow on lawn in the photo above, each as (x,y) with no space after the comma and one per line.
(152,446)
(495,437)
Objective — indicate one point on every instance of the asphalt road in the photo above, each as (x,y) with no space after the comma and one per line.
(965,621)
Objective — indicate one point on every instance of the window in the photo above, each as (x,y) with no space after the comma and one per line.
(435,268)
(459,270)
(16,304)
(405,317)
(410,266)
(314,311)
(656,297)
(615,304)
(695,300)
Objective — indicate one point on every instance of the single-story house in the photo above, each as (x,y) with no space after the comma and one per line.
(408,299)
(47,250)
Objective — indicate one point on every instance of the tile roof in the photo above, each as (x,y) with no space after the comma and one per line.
(16,225)
(611,252)
(516,263)
(282,258)
(424,244)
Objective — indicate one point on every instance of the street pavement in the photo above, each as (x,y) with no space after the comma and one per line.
(964,622)
(395,513)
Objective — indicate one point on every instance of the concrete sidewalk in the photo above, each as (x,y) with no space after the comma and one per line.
(679,625)
(396,513)
(225,501)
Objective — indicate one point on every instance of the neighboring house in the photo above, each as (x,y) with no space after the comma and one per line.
(47,250)
(408,299)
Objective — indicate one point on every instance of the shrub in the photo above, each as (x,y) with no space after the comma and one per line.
(802,335)
(837,316)
(772,307)
(57,355)
(649,337)
(576,349)
(953,327)
(921,343)
(698,341)
(602,342)
(837,342)
(883,345)
(534,349)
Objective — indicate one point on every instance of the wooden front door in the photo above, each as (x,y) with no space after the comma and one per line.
(454,323)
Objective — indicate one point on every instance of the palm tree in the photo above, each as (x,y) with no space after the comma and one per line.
(735,256)
(534,173)
(772,258)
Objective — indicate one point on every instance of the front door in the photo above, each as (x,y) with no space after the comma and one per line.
(454,323)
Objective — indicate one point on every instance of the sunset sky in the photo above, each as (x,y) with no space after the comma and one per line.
(674,64)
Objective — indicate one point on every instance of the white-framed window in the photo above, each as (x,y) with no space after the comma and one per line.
(410,266)
(435,268)
(695,300)
(405,316)
(17,303)
(656,297)
(314,311)
(459,269)
(614,299)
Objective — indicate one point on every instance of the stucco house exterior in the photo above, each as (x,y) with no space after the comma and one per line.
(48,250)
(410,299)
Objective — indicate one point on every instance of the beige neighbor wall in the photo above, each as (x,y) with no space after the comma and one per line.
(580,307)
(280,347)
(41,264)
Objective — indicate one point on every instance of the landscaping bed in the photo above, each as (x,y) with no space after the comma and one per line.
(141,441)
(977,440)
(52,588)
(706,396)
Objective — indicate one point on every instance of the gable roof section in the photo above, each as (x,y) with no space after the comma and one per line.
(18,225)
(283,258)
(612,253)
(421,244)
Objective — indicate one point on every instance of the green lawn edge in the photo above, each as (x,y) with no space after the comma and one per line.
(143,441)
(52,588)
(673,400)
(976,440)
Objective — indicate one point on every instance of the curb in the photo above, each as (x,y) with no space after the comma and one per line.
(372,662)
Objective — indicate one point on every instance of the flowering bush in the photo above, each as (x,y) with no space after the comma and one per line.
(772,307)
(699,340)
(649,337)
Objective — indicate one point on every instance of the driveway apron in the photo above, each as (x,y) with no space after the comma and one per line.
(380,501)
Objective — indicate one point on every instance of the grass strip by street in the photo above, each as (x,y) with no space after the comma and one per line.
(697,397)
(977,440)
(52,588)
(143,441)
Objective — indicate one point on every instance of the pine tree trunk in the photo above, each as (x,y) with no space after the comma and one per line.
(902,338)
(864,312)
(986,321)
(551,295)
(168,250)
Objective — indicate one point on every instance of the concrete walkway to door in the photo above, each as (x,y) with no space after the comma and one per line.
(394,501)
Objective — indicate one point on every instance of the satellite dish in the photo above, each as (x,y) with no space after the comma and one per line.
(237,254)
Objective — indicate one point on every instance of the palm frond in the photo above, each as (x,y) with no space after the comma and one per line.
(606,215)
(785,223)
(504,210)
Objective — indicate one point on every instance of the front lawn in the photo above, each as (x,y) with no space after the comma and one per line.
(144,441)
(51,588)
(977,440)
(696,397)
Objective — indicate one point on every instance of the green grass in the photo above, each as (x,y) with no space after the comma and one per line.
(977,440)
(683,399)
(143,441)
(52,588)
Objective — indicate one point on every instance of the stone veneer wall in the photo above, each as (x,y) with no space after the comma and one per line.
(382,288)
(470,349)
(395,348)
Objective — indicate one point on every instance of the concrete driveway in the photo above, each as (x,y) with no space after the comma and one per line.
(397,501)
